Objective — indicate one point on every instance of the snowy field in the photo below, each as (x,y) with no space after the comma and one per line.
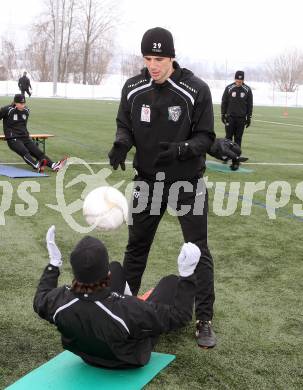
(264,93)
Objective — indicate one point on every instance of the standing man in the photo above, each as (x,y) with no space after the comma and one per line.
(24,84)
(166,113)
(236,110)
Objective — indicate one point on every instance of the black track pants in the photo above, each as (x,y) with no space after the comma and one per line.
(27,149)
(235,128)
(23,90)
(164,292)
(194,228)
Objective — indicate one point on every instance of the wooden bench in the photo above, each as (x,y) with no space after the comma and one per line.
(38,138)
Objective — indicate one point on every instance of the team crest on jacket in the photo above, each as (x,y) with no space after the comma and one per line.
(24,116)
(242,94)
(234,94)
(174,113)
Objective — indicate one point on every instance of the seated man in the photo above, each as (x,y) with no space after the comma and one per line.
(96,320)
(15,118)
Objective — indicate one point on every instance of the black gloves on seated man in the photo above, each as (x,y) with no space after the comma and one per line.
(223,119)
(225,149)
(117,155)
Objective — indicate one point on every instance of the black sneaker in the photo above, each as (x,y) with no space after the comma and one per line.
(206,337)
(234,166)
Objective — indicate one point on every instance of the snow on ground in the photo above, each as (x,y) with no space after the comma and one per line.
(264,93)
(109,89)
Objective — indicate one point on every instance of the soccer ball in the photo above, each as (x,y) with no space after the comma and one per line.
(106,208)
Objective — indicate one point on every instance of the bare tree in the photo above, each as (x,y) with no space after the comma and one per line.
(39,51)
(99,59)
(66,28)
(97,19)
(199,68)
(8,56)
(256,73)
(69,26)
(219,72)
(286,70)
(131,64)
(85,39)
(3,73)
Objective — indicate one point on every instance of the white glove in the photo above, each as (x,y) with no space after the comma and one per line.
(53,251)
(127,290)
(188,259)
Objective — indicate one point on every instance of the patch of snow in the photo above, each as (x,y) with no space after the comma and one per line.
(264,93)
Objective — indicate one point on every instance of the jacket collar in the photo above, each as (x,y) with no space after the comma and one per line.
(177,73)
(100,295)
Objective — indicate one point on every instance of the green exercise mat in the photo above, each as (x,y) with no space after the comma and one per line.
(68,372)
(219,167)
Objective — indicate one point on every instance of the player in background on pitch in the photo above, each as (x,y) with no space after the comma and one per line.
(24,84)
(15,117)
(236,111)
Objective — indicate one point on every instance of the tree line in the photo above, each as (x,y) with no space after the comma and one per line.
(86,31)
(86,50)
(284,71)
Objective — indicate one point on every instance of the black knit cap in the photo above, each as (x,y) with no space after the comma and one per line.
(239,75)
(19,98)
(89,260)
(158,42)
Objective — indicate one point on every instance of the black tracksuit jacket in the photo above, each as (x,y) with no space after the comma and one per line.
(179,111)
(24,83)
(14,121)
(108,329)
(237,101)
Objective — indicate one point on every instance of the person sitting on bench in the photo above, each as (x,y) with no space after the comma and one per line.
(95,317)
(15,117)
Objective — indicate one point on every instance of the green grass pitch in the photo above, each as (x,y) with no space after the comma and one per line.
(258,261)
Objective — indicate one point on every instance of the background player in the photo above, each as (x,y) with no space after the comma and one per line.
(15,117)
(236,110)
(24,84)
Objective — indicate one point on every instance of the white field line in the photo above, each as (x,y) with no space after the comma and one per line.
(130,162)
(274,164)
(90,163)
(273,123)
(278,123)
